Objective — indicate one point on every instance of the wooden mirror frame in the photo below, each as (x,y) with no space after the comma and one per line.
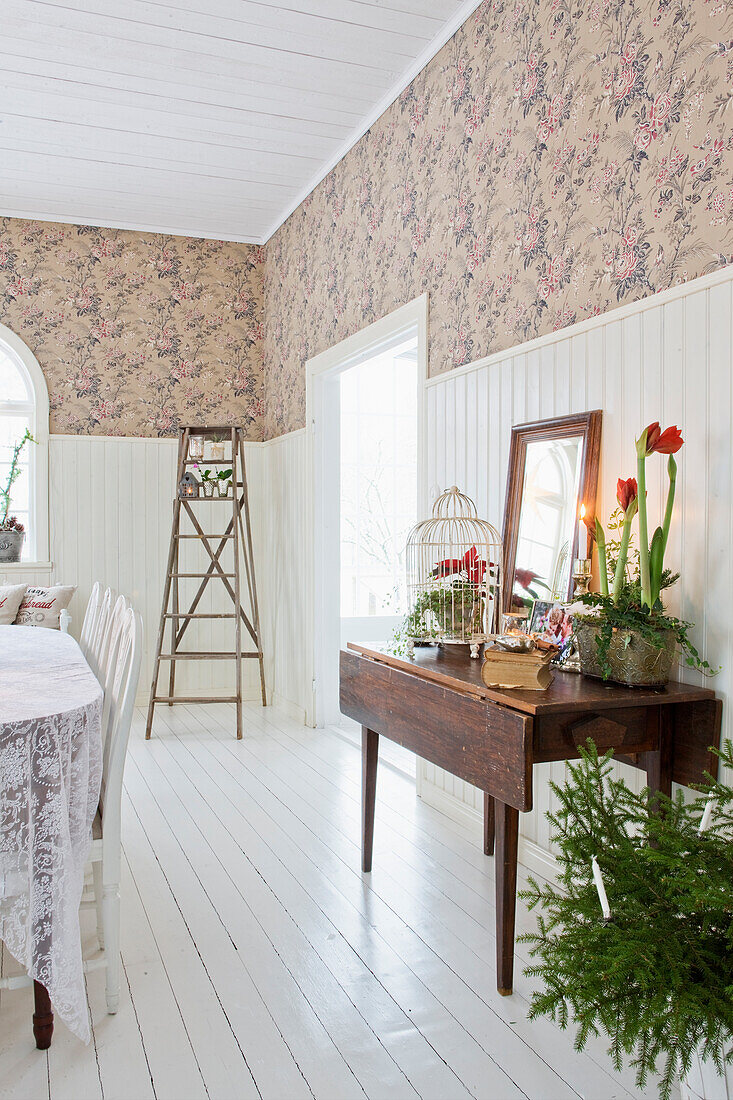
(587,425)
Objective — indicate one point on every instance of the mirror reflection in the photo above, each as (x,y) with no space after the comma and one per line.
(548,520)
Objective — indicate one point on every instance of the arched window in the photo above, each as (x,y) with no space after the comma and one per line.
(24,404)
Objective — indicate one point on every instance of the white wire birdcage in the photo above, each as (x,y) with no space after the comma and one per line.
(454,575)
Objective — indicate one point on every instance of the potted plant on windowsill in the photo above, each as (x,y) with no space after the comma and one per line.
(626,635)
(636,941)
(12,531)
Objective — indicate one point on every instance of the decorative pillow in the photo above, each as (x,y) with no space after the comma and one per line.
(42,606)
(10,597)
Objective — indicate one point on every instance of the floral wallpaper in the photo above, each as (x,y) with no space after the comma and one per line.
(136,333)
(556,159)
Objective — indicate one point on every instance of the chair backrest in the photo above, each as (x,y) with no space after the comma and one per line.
(108,653)
(125,673)
(90,617)
(100,625)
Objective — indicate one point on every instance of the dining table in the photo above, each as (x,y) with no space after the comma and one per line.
(50,775)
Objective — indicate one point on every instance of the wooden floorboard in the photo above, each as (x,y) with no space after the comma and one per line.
(259,962)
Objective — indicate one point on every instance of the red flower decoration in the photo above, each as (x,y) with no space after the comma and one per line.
(626,492)
(667,442)
(469,563)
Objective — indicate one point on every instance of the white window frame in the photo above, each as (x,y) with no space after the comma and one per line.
(37,411)
(322,405)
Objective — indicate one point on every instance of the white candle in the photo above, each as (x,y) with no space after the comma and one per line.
(582,534)
(707,815)
(602,896)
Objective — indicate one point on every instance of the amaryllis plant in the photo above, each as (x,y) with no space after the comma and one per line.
(631,496)
(635,604)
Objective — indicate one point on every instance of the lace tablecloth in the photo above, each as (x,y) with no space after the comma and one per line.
(50,774)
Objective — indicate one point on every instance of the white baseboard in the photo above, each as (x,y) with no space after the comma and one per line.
(293,710)
(530,856)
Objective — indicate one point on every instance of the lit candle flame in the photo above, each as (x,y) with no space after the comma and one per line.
(582,511)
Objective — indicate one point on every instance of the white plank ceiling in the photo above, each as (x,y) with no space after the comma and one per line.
(208,118)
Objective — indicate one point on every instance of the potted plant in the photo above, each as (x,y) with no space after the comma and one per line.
(12,531)
(223,482)
(627,635)
(216,447)
(636,941)
(208,481)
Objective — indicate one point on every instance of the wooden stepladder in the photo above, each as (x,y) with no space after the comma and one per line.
(219,566)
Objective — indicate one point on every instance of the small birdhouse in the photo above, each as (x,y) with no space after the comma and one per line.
(188,486)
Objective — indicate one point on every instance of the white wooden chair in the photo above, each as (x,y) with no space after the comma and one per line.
(99,627)
(90,617)
(120,683)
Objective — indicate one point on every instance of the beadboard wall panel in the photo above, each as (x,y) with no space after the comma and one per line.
(666,359)
(283,555)
(111,509)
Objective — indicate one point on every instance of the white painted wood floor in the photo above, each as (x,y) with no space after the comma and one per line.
(259,962)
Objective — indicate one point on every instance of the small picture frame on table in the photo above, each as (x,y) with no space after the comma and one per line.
(553,622)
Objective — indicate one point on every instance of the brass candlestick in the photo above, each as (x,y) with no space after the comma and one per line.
(582,576)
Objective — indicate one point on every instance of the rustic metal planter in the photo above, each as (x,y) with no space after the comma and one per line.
(634,661)
(11,545)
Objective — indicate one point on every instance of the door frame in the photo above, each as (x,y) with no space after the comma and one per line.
(321,393)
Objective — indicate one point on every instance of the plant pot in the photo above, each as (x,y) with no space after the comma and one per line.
(208,487)
(704,1082)
(217,451)
(634,661)
(11,544)
(223,489)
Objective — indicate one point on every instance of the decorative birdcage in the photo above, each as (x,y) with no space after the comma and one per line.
(454,575)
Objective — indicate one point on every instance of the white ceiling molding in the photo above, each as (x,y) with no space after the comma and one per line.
(200,118)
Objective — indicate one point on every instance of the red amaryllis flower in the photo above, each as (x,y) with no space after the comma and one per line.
(667,442)
(626,491)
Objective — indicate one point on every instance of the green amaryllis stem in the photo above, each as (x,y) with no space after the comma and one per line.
(618,578)
(646,588)
(602,563)
(672,471)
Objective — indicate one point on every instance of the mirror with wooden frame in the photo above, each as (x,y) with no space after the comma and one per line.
(553,476)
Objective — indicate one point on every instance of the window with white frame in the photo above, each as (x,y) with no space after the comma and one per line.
(24,406)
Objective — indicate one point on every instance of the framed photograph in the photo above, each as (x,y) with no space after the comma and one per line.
(553,622)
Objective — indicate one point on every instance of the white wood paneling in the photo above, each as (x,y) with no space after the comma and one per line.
(668,360)
(282,550)
(203,119)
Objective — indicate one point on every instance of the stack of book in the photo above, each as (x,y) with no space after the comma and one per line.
(505,669)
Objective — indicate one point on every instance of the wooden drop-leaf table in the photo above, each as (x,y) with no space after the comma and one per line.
(437,706)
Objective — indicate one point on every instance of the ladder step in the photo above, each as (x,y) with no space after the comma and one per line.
(191,656)
(199,615)
(193,699)
(222,537)
(206,461)
(216,574)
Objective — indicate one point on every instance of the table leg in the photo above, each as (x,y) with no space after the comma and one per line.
(658,762)
(489,816)
(42,1016)
(369,755)
(505,869)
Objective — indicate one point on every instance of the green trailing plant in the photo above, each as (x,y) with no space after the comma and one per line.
(441,609)
(10,523)
(628,614)
(656,976)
